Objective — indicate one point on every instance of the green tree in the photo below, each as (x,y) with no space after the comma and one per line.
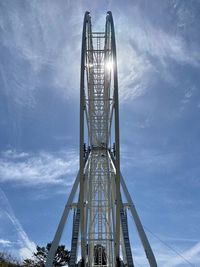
(39,258)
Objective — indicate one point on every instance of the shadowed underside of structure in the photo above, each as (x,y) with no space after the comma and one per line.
(100,227)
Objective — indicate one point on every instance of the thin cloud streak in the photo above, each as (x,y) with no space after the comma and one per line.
(26,245)
(5,243)
(42,168)
(136,49)
(40,43)
(146,53)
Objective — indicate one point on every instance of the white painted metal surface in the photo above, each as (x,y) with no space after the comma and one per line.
(100,205)
(100,228)
(104,237)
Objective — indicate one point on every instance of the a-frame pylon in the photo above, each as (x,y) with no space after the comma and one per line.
(100,224)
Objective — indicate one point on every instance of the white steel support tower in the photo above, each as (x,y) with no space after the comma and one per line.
(100,225)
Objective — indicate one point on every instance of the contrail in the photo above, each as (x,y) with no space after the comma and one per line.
(27,246)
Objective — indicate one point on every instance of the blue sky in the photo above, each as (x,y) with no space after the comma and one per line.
(159,61)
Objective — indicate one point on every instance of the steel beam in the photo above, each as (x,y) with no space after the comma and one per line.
(81,151)
(116,112)
(140,229)
(102,227)
(62,223)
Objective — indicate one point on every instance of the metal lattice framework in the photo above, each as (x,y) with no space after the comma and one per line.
(100,226)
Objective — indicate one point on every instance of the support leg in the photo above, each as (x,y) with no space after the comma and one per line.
(61,225)
(140,229)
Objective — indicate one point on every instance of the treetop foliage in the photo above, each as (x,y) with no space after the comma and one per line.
(39,258)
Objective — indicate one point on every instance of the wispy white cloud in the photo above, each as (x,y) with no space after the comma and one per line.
(22,245)
(163,45)
(52,45)
(189,94)
(147,51)
(135,73)
(5,243)
(12,154)
(41,168)
(38,43)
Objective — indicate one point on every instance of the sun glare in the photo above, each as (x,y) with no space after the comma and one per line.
(109,65)
(89,65)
